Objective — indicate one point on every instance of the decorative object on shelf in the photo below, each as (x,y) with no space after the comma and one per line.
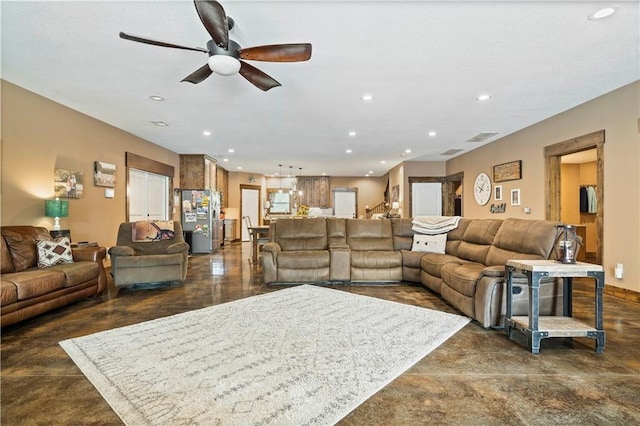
(482,189)
(507,171)
(68,184)
(515,197)
(303,210)
(56,209)
(567,244)
(104,174)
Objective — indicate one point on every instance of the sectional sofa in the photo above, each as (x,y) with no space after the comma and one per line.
(468,274)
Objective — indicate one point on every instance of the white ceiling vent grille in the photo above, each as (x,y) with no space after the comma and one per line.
(452,151)
(480,137)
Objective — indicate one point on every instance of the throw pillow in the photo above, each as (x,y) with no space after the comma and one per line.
(429,243)
(155,230)
(54,252)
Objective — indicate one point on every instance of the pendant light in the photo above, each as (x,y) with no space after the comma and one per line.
(299,174)
(290,180)
(280,189)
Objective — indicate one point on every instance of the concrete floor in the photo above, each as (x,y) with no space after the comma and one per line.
(477,377)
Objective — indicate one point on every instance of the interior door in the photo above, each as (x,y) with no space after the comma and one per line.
(426,199)
(250,202)
(345,203)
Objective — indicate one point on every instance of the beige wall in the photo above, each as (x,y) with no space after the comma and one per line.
(39,135)
(618,113)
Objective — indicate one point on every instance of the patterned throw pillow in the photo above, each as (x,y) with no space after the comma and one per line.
(54,252)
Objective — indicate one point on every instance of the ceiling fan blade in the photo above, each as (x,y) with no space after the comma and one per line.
(198,75)
(159,43)
(256,77)
(277,52)
(214,20)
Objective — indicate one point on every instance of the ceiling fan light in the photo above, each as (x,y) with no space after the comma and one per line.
(224,65)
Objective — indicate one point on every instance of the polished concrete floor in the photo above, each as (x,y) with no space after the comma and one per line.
(477,377)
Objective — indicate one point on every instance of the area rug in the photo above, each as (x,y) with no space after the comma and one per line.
(304,355)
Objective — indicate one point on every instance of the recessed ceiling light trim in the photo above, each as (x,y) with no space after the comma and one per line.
(367,97)
(483,97)
(159,123)
(156,98)
(605,12)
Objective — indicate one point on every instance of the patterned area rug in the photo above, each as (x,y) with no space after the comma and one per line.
(299,356)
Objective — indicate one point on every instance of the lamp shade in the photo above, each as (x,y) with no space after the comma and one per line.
(56,208)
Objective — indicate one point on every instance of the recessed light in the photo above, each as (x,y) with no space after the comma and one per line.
(324,174)
(231,150)
(408,151)
(602,13)
(225,159)
(348,151)
(352,133)
(160,123)
(239,167)
(156,98)
(483,97)
(367,98)
(370,172)
(382,161)
(432,133)
(206,133)
(366,174)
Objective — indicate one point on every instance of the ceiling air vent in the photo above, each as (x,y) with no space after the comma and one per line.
(480,137)
(452,151)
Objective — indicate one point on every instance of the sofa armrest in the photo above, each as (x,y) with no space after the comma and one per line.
(122,251)
(493,271)
(178,248)
(93,254)
(270,261)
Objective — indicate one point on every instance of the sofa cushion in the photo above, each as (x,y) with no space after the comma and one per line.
(377,259)
(369,234)
(79,272)
(36,282)
(337,231)
(411,259)
(154,230)
(509,242)
(432,263)
(477,239)
(429,243)
(8,293)
(304,259)
(301,234)
(402,233)
(462,278)
(454,237)
(54,252)
(22,244)
(6,263)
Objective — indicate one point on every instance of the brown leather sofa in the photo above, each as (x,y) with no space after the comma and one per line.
(27,290)
(469,275)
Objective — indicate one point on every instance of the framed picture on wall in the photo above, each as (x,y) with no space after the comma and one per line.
(515,197)
(497,193)
(104,174)
(68,183)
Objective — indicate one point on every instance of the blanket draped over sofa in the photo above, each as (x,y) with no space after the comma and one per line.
(469,275)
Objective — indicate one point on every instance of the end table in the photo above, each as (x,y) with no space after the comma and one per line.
(537,328)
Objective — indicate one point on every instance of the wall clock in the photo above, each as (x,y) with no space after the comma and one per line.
(482,189)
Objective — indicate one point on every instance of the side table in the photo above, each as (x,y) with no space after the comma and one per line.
(537,328)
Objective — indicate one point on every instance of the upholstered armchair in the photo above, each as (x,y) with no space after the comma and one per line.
(147,253)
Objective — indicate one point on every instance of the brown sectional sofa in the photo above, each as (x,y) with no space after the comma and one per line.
(27,290)
(469,275)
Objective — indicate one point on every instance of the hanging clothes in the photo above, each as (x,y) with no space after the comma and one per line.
(584,202)
(591,198)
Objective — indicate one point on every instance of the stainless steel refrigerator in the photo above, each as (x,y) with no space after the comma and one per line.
(200,217)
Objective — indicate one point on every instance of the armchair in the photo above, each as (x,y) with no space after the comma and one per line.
(154,261)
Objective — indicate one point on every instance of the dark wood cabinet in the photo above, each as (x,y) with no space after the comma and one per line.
(316,191)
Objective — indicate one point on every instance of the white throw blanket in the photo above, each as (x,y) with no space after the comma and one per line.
(435,224)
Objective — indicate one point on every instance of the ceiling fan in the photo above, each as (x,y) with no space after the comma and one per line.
(225,54)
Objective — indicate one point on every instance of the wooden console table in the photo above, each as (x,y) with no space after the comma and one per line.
(537,328)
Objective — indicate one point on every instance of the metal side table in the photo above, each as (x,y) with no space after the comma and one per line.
(537,328)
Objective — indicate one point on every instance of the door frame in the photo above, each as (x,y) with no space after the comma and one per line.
(553,154)
(448,190)
(333,197)
(260,219)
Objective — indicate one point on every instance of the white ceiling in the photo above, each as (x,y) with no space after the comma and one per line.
(424,62)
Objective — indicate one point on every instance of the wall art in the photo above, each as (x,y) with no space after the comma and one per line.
(68,183)
(507,171)
(104,174)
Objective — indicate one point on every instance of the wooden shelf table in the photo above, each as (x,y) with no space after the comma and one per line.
(537,328)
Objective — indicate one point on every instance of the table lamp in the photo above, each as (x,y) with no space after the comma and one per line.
(56,209)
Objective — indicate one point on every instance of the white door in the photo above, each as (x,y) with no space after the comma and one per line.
(148,196)
(250,206)
(344,204)
(426,199)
